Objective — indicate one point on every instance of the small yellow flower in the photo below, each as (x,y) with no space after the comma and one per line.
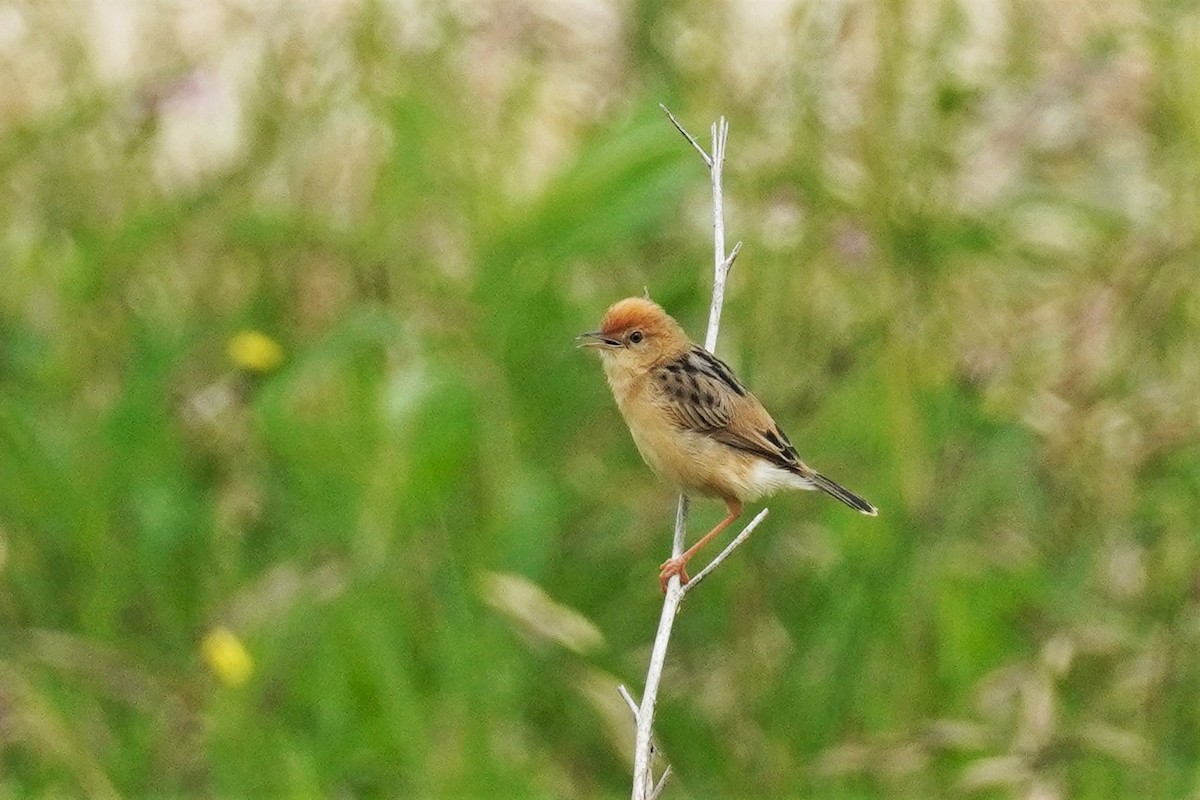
(254,351)
(227,657)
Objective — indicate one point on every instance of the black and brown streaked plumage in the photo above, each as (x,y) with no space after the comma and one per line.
(694,423)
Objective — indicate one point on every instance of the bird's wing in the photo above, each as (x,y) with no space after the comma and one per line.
(702,395)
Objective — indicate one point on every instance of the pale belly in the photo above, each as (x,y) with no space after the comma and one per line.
(695,462)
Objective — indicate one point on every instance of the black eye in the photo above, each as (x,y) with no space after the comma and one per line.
(636,337)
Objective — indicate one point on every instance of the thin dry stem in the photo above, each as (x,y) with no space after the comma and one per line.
(733,254)
(662,783)
(644,787)
(708,162)
(633,709)
(721,261)
(629,701)
(724,554)
(643,776)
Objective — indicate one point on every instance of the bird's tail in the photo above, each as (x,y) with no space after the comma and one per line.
(848,497)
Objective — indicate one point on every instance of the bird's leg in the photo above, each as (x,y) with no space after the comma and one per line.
(678,566)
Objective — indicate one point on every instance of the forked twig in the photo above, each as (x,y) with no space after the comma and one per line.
(629,701)
(733,254)
(633,708)
(644,787)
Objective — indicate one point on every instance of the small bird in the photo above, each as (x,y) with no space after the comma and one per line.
(693,422)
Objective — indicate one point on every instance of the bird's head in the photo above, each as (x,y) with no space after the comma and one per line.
(636,334)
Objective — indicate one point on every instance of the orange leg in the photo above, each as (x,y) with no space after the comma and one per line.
(678,566)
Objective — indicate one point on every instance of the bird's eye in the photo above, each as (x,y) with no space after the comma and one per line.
(636,337)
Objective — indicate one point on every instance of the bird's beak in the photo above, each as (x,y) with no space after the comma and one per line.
(596,339)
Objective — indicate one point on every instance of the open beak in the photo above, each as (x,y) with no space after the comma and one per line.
(596,339)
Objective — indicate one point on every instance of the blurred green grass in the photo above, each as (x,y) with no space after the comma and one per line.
(968,292)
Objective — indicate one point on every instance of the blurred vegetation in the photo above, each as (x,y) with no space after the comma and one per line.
(304,490)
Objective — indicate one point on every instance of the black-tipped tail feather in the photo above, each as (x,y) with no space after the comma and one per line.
(840,492)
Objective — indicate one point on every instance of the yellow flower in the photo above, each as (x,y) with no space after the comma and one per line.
(254,351)
(227,657)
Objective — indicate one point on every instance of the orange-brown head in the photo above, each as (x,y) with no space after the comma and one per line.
(636,334)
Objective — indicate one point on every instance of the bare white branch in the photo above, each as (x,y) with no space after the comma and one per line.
(680,534)
(662,783)
(629,701)
(643,781)
(643,746)
(708,162)
(724,554)
(644,787)
(633,709)
(733,254)
(720,136)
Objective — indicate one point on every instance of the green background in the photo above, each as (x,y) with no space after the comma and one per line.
(969,291)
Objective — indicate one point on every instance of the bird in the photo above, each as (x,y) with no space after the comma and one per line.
(694,423)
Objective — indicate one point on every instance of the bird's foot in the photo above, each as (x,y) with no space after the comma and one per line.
(673,566)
